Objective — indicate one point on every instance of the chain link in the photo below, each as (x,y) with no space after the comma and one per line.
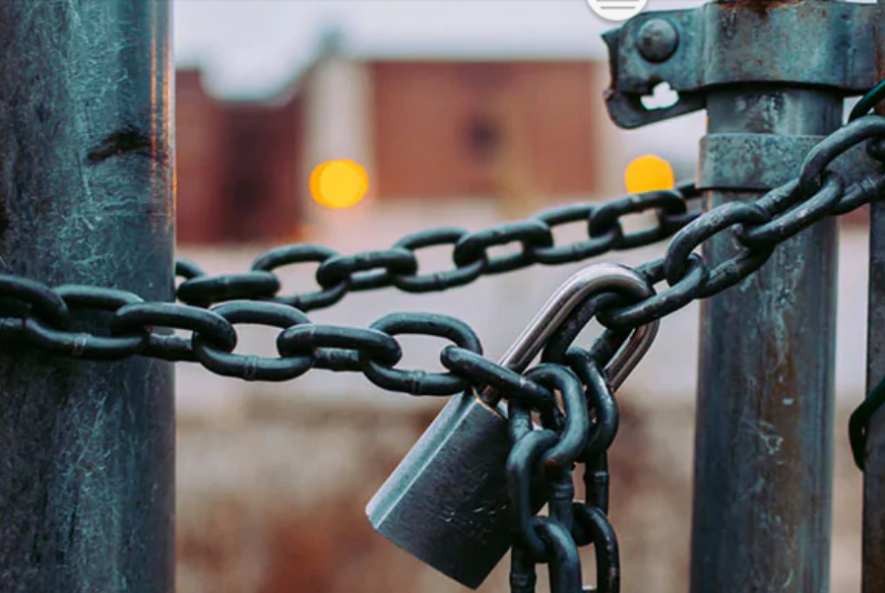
(398,266)
(97,323)
(210,306)
(540,472)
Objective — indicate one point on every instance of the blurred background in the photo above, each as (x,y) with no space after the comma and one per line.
(465,113)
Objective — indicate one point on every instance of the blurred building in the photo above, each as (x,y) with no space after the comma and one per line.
(431,130)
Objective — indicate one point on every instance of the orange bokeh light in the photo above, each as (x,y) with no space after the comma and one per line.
(339,184)
(649,173)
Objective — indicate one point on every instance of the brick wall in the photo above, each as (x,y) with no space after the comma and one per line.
(437,131)
(200,144)
(239,173)
(266,191)
(483,128)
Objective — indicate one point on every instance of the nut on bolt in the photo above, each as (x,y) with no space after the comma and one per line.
(657,40)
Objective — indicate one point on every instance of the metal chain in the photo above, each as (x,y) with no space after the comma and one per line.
(210,306)
(541,462)
(102,323)
(338,275)
(540,472)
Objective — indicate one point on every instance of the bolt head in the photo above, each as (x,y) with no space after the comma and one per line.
(657,40)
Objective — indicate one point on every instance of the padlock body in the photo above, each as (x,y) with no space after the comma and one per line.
(447,501)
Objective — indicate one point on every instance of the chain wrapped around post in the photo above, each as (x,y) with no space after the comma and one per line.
(210,306)
(121,325)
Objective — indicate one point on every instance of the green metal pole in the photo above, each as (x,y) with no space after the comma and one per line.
(86,197)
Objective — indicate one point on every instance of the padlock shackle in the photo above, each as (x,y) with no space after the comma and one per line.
(630,354)
(588,282)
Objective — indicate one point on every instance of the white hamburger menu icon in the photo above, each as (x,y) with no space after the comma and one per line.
(617,10)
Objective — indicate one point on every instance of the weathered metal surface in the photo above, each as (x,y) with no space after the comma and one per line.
(763,456)
(751,161)
(762,161)
(764,428)
(819,43)
(657,40)
(86,448)
(873,572)
(634,76)
(823,43)
(446,503)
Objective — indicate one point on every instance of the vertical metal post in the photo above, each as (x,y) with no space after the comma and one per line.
(763,455)
(86,197)
(763,450)
(873,575)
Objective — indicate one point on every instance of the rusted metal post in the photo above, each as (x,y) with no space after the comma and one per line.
(771,75)
(873,578)
(764,426)
(763,444)
(86,448)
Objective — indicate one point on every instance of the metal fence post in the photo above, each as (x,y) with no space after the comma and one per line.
(873,575)
(771,76)
(763,442)
(86,196)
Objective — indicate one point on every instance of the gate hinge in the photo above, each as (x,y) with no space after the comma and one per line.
(810,43)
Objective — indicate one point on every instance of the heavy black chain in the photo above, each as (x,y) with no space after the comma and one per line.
(210,306)
(542,460)
(540,471)
(338,275)
(103,323)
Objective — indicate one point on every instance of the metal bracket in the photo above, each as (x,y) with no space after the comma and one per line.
(820,43)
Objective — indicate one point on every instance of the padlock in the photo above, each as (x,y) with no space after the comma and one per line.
(447,501)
